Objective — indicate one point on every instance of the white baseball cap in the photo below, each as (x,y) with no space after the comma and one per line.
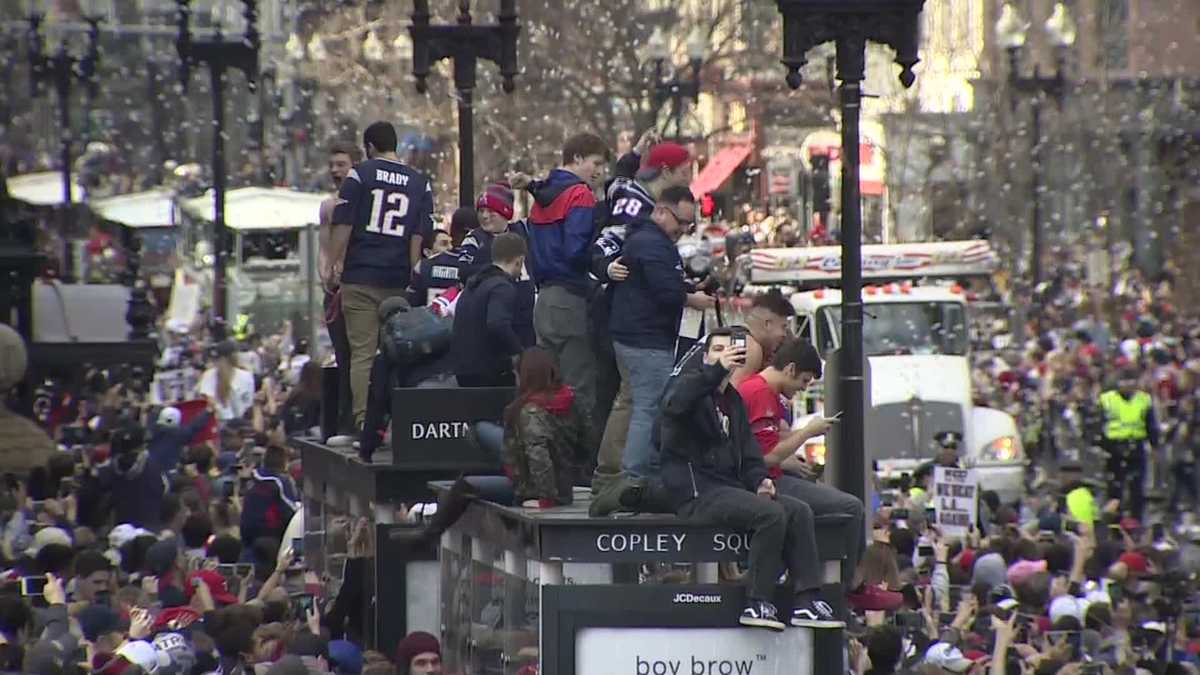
(169,417)
(142,654)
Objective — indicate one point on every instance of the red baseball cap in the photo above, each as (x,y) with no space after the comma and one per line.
(1135,562)
(666,156)
(216,586)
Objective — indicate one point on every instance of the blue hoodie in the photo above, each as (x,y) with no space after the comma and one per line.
(560,231)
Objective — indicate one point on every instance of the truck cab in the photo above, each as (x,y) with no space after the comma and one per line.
(916,337)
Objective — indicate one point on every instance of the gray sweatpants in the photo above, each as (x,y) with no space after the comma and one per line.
(782,535)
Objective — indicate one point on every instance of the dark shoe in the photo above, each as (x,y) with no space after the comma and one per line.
(623,495)
(812,612)
(761,614)
(450,508)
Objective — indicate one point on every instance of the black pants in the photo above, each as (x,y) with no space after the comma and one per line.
(341,350)
(782,535)
(828,500)
(1127,469)
(504,380)
(379,403)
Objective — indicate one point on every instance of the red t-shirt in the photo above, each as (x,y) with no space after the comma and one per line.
(767,415)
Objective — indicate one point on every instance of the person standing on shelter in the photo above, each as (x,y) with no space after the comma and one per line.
(494,208)
(560,231)
(485,342)
(644,323)
(342,158)
(384,211)
(663,166)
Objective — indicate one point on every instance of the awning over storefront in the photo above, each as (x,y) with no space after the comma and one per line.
(261,208)
(719,169)
(42,189)
(152,208)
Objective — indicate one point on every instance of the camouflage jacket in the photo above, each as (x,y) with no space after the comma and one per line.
(543,446)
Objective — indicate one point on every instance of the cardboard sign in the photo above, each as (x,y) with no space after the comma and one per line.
(956,500)
(190,410)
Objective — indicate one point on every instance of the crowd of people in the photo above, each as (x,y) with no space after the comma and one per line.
(164,533)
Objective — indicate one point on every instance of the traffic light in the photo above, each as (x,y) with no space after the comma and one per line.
(708,205)
(820,183)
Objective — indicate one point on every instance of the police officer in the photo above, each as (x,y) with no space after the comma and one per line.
(1128,424)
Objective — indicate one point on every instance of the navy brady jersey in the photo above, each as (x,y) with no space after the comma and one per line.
(435,275)
(387,203)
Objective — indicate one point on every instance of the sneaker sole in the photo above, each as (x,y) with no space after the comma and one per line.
(763,623)
(817,623)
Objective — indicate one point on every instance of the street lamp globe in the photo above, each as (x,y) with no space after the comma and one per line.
(372,47)
(1061,27)
(1011,28)
(402,46)
(656,46)
(697,46)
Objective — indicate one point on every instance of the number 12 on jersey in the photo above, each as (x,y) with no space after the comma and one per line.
(383,221)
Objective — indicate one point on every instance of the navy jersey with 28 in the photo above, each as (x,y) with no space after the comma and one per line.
(387,203)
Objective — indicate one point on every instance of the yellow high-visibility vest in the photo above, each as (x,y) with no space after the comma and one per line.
(1125,420)
(1081,505)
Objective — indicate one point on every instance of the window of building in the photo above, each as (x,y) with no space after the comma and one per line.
(1112,34)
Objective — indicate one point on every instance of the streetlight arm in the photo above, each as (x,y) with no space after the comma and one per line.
(37,55)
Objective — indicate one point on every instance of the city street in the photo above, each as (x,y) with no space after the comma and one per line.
(567,337)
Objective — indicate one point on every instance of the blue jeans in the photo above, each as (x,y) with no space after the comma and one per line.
(649,370)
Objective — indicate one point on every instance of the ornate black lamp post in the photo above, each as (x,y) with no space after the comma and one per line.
(668,84)
(1010,33)
(850,24)
(465,43)
(62,68)
(219,54)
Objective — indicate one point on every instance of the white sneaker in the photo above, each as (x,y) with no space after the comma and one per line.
(340,441)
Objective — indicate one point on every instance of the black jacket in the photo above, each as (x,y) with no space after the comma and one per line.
(699,451)
(647,306)
(485,337)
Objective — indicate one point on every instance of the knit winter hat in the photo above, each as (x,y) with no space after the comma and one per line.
(415,643)
(497,197)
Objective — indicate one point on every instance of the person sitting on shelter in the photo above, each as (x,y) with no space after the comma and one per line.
(544,432)
(713,469)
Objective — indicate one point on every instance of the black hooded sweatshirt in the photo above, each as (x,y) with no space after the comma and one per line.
(485,337)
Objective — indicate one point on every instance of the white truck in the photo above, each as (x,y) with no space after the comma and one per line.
(916,337)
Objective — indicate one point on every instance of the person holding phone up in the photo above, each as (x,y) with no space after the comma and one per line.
(713,470)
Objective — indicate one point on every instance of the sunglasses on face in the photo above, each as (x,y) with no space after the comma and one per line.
(687,223)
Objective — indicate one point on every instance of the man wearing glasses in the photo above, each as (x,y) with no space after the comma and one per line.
(646,310)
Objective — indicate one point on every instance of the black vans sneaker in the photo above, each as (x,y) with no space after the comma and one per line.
(761,614)
(815,613)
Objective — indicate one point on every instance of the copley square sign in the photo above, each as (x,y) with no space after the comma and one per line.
(634,543)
